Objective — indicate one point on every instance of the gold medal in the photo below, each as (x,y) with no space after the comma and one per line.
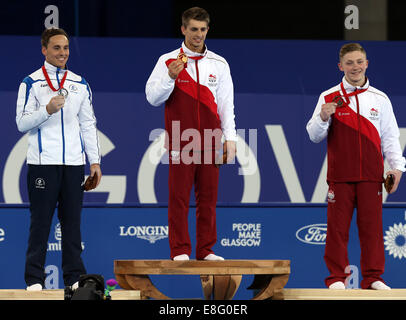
(183,57)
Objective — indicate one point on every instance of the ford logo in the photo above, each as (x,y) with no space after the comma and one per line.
(313,234)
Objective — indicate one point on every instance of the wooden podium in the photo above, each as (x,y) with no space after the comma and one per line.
(220,279)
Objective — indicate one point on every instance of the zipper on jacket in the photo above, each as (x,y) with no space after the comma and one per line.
(359,135)
(198,96)
(39,144)
(62,126)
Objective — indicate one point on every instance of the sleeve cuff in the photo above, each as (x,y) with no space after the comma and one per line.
(230,137)
(45,112)
(321,123)
(402,169)
(94,161)
(168,80)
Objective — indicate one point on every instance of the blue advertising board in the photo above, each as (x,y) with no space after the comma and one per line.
(276,232)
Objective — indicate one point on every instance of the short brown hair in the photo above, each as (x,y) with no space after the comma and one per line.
(195,13)
(350,47)
(48,33)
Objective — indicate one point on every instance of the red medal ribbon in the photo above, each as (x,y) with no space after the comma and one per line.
(347,95)
(193,58)
(49,80)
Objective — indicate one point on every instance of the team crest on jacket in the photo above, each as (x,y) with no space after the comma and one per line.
(331,196)
(374,114)
(212,80)
(175,155)
(73,88)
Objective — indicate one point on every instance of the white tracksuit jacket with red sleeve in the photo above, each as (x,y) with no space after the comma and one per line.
(200,98)
(358,134)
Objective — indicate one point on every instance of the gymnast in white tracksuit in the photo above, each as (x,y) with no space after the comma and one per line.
(54,107)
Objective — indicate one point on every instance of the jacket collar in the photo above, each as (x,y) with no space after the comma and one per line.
(191,53)
(349,87)
(51,69)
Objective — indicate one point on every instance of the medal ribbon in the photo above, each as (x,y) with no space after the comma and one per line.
(354,93)
(193,58)
(44,71)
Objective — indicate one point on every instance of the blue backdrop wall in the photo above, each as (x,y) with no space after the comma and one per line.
(277,84)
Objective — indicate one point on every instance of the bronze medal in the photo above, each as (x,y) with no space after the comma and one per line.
(338,100)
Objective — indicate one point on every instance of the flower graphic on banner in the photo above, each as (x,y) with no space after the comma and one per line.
(395,240)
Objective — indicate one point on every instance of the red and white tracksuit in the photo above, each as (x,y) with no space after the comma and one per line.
(358,133)
(199,101)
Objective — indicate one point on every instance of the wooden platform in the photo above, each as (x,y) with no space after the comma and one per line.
(22,294)
(286,294)
(348,294)
(220,279)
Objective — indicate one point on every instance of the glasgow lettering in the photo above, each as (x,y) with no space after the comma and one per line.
(240,242)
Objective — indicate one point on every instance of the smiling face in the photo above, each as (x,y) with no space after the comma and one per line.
(57,51)
(354,65)
(195,33)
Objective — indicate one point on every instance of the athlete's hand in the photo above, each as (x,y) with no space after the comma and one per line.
(55,104)
(327,110)
(397,175)
(230,149)
(229,153)
(175,67)
(95,170)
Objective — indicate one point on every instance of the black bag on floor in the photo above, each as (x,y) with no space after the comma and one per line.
(91,287)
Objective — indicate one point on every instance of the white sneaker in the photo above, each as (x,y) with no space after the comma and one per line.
(379,285)
(213,257)
(339,285)
(181,257)
(34,287)
(75,285)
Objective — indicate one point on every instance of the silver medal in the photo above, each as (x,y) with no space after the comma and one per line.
(63,92)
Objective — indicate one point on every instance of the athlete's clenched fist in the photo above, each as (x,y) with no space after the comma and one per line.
(55,104)
(175,67)
(327,110)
